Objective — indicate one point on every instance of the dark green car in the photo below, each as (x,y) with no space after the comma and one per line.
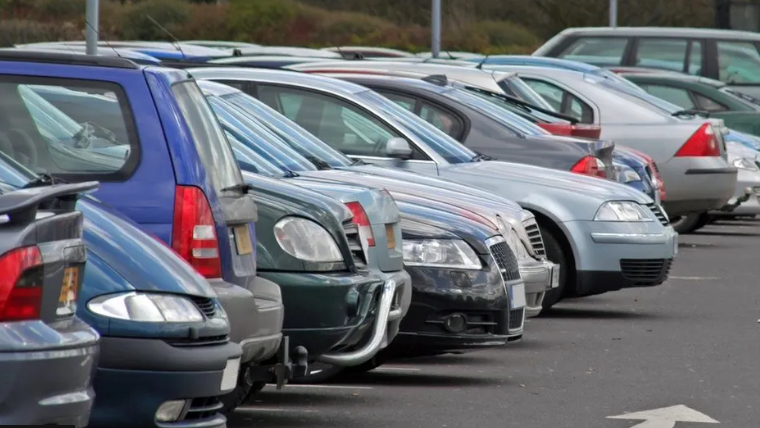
(739,111)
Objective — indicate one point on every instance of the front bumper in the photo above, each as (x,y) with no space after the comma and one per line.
(539,277)
(46,383)
(135,376)
(614,255)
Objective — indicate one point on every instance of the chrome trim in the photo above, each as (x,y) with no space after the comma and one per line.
(630,238)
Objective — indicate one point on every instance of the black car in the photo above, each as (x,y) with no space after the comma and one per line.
(485,127)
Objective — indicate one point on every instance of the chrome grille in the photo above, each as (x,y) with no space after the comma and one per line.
(355,245)
(205,305)
(506,261)
(659,214)
(516,318)
(534,234)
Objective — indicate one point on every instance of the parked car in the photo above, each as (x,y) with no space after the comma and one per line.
(261,61)
(689,150)
(444,251)
(505,216)
(165,355)
(134,56)
(42,262)
(164,51)
(349,52)
(583,220)
(219,44)
(289,51)
(166,165)
(747,161)
(729,56)
(702,94)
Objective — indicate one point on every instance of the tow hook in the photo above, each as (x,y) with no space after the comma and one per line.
(732,206)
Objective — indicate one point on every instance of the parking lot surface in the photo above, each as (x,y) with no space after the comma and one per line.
(689,346)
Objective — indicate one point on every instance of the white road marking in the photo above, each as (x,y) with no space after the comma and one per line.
(397,369)
(273,409)
(695,278)
(323,386)
(666,417)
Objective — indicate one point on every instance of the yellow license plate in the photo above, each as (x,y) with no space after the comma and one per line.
(243,240)
(390,235)
(69,287)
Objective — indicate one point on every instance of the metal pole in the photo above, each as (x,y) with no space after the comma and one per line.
(613,13)
(91,26)
(435,27)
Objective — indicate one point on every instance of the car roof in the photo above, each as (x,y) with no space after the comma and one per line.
(661,31)
(215,88)
(68,58)
(680,77)
(397,81)
(369,49)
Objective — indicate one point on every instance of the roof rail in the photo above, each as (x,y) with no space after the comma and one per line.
(437,79)
(30,55)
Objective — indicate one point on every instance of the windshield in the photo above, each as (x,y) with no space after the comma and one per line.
(209,139)
(445,146)
(524,92)
(257,138)
(496,112)
(745,99)
(297,137)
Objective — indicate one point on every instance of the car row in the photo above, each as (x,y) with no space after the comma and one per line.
(211,219)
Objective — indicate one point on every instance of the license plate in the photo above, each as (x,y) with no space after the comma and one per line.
(675,245)
(555,276)
(517,296)
(230,376)
(243,239)
(390,235)
(67,299)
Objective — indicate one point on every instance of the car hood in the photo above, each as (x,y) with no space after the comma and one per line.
(143,261)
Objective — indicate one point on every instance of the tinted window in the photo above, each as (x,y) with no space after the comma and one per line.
(562,100)
(405,102)
(524,92)
(677,96)
(209,139)
(330,119)
(708,104)
(738,62)
(667,54)
(442,120)
(596,50)
(695,59)
(43,138)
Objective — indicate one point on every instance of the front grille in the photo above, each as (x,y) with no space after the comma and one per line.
(534,234)
(646,271)
(659,214)
(516,318)
(201,341)
(355,245)
(206,305)
(203,408)
(506,261)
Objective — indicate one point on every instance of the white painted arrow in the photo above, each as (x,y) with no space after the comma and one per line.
(666,417)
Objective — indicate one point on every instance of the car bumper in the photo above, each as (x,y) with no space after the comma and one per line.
(633,254)
(539,277)
(50,385)
(697,184)
(745,180)
(255,317)
(135,376)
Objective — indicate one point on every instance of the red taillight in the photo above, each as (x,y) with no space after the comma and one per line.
(701,143)
(194,232)
(581,130)
(590,165)
(557,128)
(361,220)
(20,284)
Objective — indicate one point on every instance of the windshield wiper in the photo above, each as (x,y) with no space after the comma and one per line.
(241,187)
(358,162)
(289,174)
(480,157)
(691,112)
(44,180)
(319,163)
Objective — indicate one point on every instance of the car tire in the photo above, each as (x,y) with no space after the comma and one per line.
(689,223)
(318,373)
(555,254)
(239,395)
(372,364)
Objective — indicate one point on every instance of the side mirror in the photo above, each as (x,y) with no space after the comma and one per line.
(398,148)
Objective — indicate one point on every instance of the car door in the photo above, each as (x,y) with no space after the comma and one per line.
(343,125)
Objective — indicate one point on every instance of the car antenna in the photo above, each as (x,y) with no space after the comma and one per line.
(87,23)
(480,64)
(174,39)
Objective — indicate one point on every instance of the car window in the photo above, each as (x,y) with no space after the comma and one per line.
(523,92)
(442,120)
(562,100)
(738,62)
(550,93)
(708,104)
(40,136)
(677,96)
(213,148)
(596,50)
(330,119)
(405,102)
(695,59)
(666,54)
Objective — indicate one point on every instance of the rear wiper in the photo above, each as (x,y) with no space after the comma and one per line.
(240,187)
(479,157)
(691,112)
(289,174)
(319,163)
(44,180)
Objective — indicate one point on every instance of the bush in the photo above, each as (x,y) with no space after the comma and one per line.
(56,10)
(13,31)
(265,21)
(135,24)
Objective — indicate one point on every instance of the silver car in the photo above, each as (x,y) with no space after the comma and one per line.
(604,235)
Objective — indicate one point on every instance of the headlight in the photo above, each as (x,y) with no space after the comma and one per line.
(306,240)
(622,211)
(745,164)
(626,174)
(440,253)
(146,307)
(515,244)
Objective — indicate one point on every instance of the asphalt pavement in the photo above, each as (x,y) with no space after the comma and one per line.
(689,347)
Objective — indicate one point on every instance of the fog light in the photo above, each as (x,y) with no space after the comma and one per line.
(455,323)
(170,411)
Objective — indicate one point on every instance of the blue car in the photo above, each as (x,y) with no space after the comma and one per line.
(163,161)
(165,354)
(634,171)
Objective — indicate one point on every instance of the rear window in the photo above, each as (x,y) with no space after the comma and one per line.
(209,139)
(44,138)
